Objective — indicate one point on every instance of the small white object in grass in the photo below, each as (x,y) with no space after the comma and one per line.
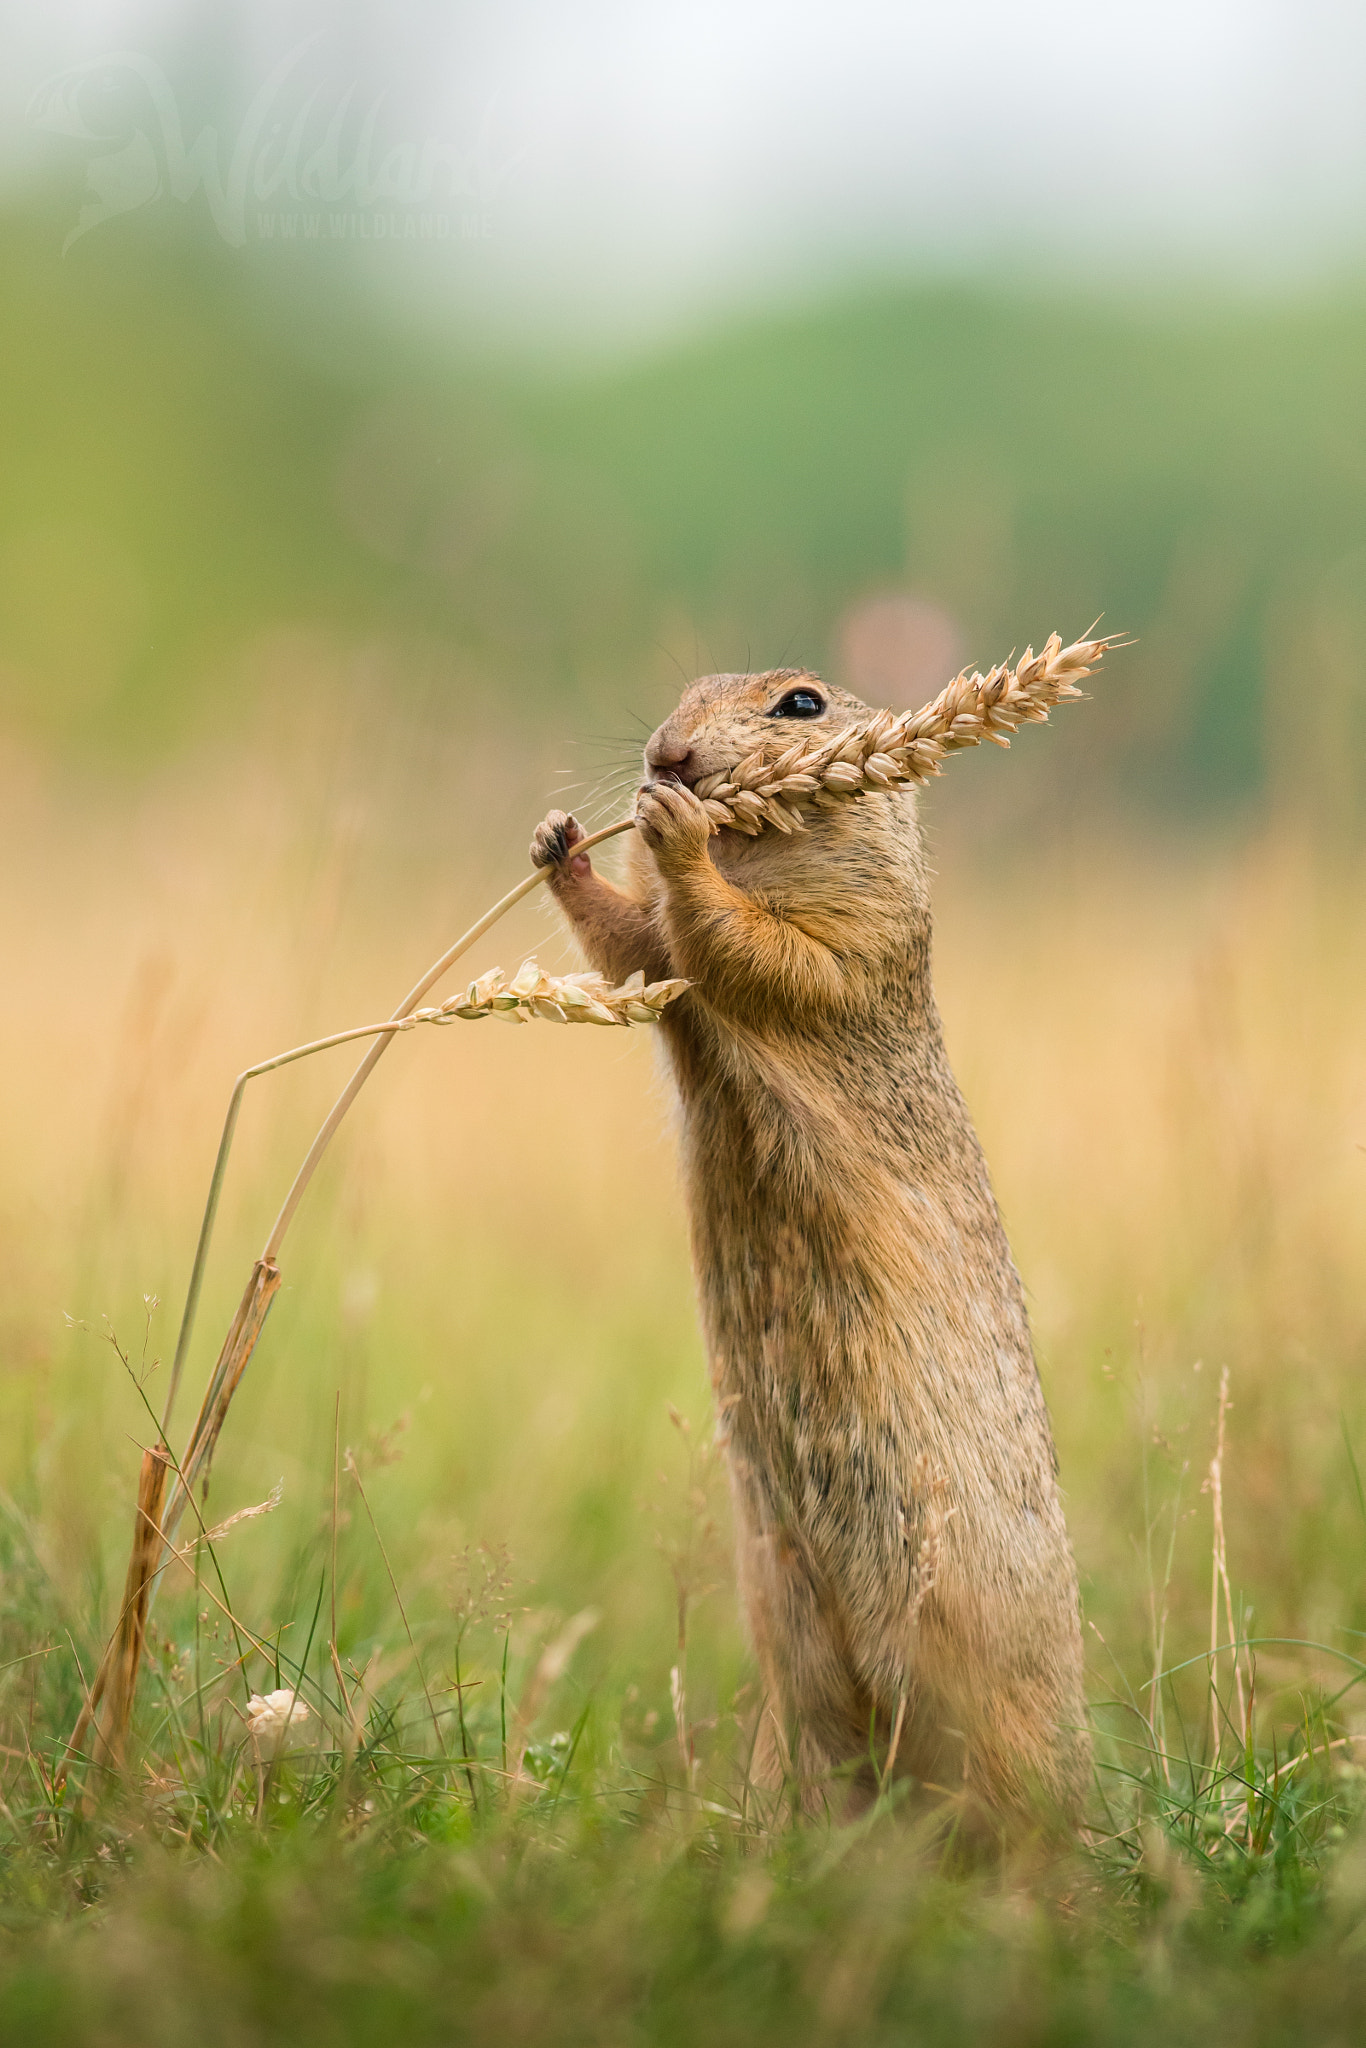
(272,1715)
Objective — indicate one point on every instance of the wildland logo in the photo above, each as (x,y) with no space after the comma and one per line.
(298,168)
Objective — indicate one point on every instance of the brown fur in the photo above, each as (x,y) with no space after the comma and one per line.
(901,1546)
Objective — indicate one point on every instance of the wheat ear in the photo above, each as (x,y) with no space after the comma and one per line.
(891,749)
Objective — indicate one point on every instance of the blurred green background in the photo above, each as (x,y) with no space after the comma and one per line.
(205,445)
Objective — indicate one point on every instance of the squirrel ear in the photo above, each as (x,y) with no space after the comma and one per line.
(897,650)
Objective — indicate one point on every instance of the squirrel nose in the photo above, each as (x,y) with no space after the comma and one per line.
(667,754)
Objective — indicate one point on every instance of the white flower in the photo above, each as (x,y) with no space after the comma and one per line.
(271,1717)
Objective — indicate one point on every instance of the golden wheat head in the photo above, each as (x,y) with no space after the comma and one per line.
(893,748)
(555,999)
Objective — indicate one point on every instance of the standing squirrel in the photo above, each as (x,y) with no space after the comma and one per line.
(901,1551)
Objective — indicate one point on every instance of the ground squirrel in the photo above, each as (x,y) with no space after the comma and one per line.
(901,1551)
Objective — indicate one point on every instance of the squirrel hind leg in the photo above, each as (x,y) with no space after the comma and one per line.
(790,1757)
(817,1731)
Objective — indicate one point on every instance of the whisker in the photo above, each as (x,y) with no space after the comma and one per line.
(669,655)
(612,789)
(612,739)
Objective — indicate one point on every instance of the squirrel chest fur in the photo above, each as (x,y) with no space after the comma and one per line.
(901,1551)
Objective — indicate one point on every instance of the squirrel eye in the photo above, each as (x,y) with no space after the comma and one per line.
(799,704)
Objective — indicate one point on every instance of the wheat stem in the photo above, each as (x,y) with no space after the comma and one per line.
(413,997)
(380,1032)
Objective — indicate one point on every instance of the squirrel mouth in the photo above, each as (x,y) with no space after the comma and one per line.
(670,775)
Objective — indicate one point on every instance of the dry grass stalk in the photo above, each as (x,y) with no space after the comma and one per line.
(117,1677)
(891,749)
(233,1360)
(252,1514)
(1218,1580)
(154,1529)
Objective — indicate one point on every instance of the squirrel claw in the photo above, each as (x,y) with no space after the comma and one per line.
(553,842)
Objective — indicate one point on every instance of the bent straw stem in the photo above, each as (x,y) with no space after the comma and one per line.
(413,997)
(265,1275)
(382,1034)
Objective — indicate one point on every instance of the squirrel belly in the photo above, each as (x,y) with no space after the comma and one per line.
(901,1552)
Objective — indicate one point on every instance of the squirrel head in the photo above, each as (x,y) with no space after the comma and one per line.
(721,719)
(826,873)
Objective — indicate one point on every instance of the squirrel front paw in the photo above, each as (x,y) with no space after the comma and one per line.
(552,843)
(673,824)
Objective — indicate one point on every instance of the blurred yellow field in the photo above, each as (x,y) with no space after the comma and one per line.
(1162,1049)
